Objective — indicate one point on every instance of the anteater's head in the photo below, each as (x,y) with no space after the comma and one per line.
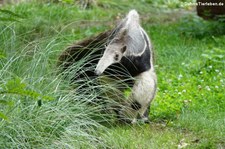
(113,53)
(128,40)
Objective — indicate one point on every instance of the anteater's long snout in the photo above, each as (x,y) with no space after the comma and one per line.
(104,63)
(97,72)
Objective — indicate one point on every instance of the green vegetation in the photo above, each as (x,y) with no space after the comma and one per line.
(38,109)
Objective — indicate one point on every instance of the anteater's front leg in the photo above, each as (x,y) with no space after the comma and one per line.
(143,93)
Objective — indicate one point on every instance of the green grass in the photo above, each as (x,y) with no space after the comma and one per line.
(189,61)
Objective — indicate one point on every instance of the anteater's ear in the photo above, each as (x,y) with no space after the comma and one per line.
(123,34)
(124,31)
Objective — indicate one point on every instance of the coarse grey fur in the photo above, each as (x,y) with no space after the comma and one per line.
(132,48)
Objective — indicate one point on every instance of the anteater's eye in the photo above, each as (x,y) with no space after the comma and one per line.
(116,57)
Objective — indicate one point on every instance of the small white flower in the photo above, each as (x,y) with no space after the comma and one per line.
(199,86)
(217,70)
(180,76)
(221,81)
(169,80)
(201,72)
(184,91)
(179,93)
(216,87)
(220,74)
(210,67)
(208,88)
(183,63)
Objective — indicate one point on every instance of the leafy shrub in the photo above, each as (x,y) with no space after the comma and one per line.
(196,27)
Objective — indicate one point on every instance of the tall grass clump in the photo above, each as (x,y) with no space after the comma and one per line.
(60,120)
(38,107)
